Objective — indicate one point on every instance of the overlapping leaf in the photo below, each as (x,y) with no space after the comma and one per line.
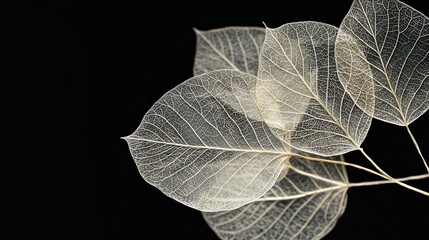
(228,48)
(223,139)
(198,148)
(306,204)
(217,49)
(299,93)
(393,39)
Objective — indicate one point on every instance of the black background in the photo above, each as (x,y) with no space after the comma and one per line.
(76,76)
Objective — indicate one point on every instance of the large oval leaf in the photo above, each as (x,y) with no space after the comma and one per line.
(299,93)
(204,143)
(306,204)
(394,40)
(228,48)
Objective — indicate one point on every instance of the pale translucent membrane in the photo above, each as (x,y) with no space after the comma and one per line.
(197,149)
(300,95)
(228,48)
(394,40)
(306,204)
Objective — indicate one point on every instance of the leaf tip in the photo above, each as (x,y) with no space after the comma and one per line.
(125,138)
(265,25)
(196,30)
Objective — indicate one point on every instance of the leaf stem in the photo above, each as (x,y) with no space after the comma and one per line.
(417,147)
(373,183)
(391,178)
(381,173)
(341,163)
(338,187)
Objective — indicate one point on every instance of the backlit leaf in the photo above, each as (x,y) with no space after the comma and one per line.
(393,39)
(306,204)
(198,149)
(228,48)
(299,94)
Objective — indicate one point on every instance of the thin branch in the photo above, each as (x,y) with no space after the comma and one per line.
(373,183)
(337,187)
(340,163)
(381,173)
(417,147)
(391,178)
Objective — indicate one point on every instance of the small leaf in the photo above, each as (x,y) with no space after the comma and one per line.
(394,41)
(306,204)
(228,48)
(299,94)
(204,143)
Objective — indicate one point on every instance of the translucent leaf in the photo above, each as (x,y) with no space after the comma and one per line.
(198,149)
(394,40)
(228,48)
(299,94)
(306,204)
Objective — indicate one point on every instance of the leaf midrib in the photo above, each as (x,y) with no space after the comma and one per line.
(207,147)
(217,51)
(404,121)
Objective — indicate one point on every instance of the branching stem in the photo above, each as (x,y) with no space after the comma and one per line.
(381,173)
(338,187)
(391,178)
(340,163)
